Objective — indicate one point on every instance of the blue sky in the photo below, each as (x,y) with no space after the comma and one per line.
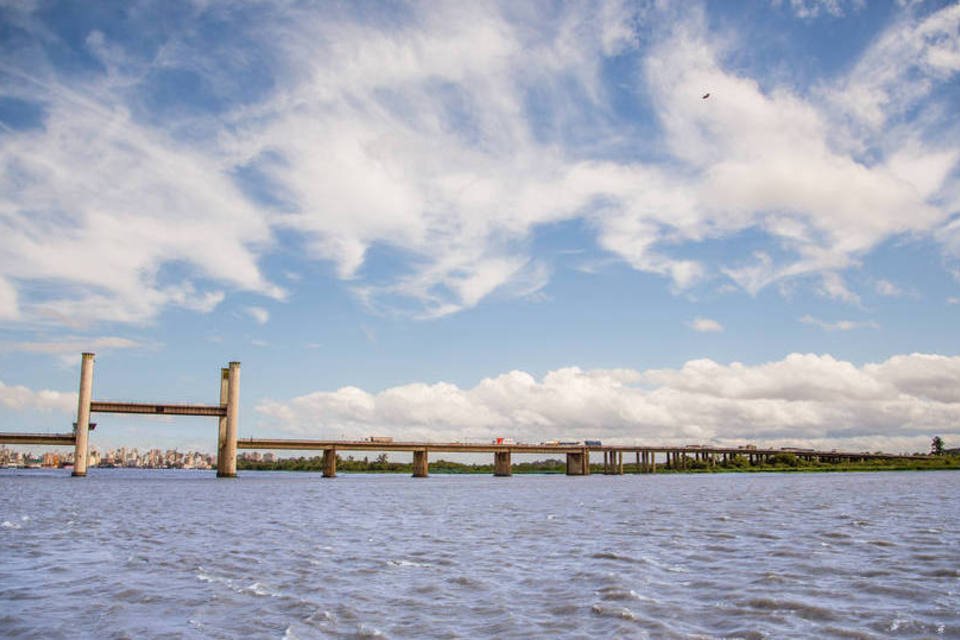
(444,220)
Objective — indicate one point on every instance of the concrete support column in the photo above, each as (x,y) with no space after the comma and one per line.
(329,463)
(229,468)
(574,464)
(421,465)
(222,422)
(578,463)
(81,447)
(619,463)
(501,464)
(653,462)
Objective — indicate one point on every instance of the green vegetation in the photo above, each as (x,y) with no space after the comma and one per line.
(382,465)
(784,461)
(790,462)
(936,447)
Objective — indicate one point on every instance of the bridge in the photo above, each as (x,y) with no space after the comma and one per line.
(648,457)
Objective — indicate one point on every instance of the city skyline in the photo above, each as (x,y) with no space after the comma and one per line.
(616,220)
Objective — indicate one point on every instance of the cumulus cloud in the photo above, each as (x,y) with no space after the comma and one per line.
(705,325)
(20,398)
(804,398)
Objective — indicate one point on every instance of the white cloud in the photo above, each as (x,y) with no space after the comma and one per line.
(887,288)
(259,314)
(811,9)
(20,398)
(839,325)
(902,67)
(808,398)
(834,287)
(416,136)
(953,300)
(767,159)
(705,325)
(72,345)
(101,204)
(9,309)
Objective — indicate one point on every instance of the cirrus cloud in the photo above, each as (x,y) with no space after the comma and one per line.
(448,137)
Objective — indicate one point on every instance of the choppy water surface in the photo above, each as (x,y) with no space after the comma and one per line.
(128,554)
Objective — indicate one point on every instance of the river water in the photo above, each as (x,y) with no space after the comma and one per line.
(179,554)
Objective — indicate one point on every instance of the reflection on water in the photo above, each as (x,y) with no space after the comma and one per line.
(135,554)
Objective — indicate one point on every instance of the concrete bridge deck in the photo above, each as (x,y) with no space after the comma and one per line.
(65,439)
(367,445)
(526,447)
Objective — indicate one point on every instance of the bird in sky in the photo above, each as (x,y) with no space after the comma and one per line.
(706,95)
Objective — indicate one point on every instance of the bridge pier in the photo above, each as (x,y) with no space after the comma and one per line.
(81,443)
(229,468)
(421,465)
(501,464)
(613,463)
(578,463)
(222,423)
(329,463)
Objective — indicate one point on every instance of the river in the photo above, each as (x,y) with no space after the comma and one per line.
(180,554)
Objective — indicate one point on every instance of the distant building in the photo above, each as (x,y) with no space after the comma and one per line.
(50,459)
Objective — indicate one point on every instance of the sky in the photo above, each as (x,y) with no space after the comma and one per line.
(641,222)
